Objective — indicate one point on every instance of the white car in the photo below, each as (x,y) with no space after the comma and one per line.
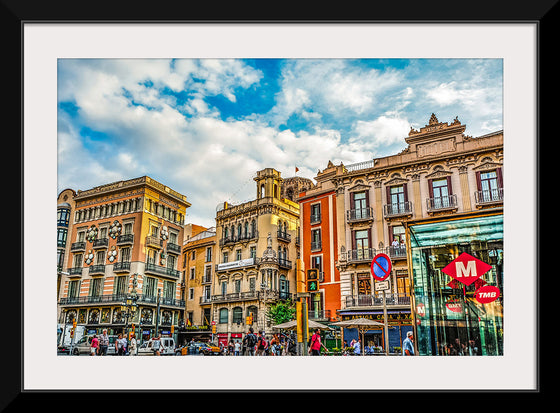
(167,347)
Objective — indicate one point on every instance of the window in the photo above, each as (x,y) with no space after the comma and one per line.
(169,289)
(398,234)
(95,288)
(237,315)
(489,185)
(223,316)
(100,258)
(317,262)
(440,191)
(191,273)
(191,294)
(128,228)
(149,287)
(224,288)
(225,257)
(316,239)
(61,234)
(315,213)
(63,217)
(73,288)
(361,245)
(208,273)
(253,252)
(120,286)
(125,254)
(252,284)
(359,203)
(238,255)
(237,286)
(208,254)
(193,255)
(77,261)
(397,199)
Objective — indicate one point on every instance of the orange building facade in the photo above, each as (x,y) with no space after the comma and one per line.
(319,246)
(125,241)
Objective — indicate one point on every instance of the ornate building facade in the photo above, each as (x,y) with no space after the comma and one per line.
(257,246)
(442,174)
(125,242)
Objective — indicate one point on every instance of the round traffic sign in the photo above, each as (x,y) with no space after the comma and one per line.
(381,267)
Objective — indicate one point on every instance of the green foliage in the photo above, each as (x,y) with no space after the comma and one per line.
(281,312)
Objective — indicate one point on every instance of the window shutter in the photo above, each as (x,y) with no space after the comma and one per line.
(449,189)
(500,177)
(405,189)
(478,183)
(430,188)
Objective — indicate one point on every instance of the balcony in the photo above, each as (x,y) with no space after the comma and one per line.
(284,263)
(173,248)
(284,236)
(442,203)
(232,239)
(392,299)
(78,246)
(324,315)
(396,252)
(125,239)
(316,246)
(101,243)
(397,209)
(75,271)
(152,241)
(360,255)
(120,298)
(359,215)
(159,270)
(123,266)
(487,197)
(97,269)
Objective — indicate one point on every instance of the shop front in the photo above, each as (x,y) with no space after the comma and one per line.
(457,280)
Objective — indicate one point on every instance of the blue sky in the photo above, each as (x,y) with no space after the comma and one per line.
(205,126)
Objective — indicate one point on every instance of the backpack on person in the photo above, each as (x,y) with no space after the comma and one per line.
(251,340)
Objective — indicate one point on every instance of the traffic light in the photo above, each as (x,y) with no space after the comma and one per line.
(312,280)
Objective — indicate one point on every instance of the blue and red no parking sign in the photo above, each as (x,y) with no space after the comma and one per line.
(381,267)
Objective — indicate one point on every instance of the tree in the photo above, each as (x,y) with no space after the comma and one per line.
(281,312)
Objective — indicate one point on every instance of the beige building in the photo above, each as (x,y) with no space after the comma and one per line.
(442,174)
(199,252)
(256,258)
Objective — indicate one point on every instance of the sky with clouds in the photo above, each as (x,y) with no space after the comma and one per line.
(204,127)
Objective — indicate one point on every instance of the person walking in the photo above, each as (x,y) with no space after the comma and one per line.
(103,343)
(315,346)
(120,345)
(408,345)
(94,345)
(261,344)
(236,348)
(132,348)
(156,346)
(249,342)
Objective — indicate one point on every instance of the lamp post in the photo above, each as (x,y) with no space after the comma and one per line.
(130,306)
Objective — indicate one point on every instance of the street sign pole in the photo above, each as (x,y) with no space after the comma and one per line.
(381,270)
(385,321)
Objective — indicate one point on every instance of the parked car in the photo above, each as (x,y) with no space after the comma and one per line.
(167,347)
(198,348)
(83,345)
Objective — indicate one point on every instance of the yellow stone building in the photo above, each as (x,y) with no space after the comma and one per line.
(256,244)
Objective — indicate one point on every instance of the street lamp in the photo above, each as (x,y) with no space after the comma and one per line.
(130,306)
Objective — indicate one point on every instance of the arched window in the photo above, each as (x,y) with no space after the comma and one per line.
(262,190)
(237,315)
(223,316)
(246,234)
(253,229)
